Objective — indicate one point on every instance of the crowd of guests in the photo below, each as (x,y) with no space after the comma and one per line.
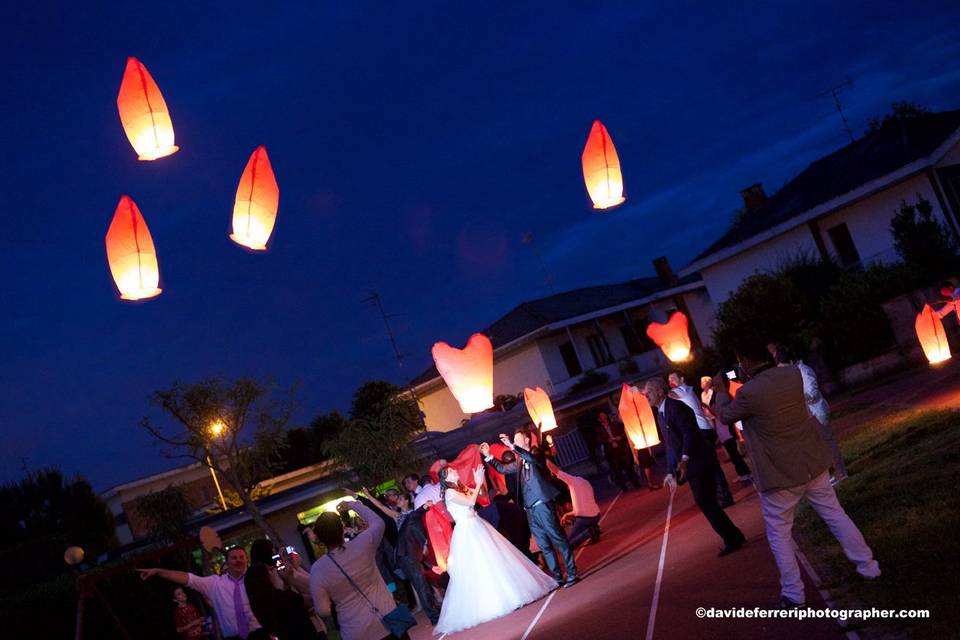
(386,550)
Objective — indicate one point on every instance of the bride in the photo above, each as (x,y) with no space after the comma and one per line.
(489,577)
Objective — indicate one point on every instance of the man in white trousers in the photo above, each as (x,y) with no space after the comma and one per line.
(790,463)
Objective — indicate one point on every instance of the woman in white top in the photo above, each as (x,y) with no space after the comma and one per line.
(489,577)
(355,615)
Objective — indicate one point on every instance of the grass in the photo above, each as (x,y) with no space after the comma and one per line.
(904,494)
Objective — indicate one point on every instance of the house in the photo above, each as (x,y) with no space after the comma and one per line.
(554,342)
(840,206)
(199,488)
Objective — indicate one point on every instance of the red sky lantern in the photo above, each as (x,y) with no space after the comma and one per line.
(256,204)
(601,169)
(131,254)
(637,416)
(468,372)
(673,337)
(144,114)
(540,408)
(932,337)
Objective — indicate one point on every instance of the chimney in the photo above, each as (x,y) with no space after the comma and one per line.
(662,266)
(753,197)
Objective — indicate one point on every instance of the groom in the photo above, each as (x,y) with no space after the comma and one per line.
(536,496)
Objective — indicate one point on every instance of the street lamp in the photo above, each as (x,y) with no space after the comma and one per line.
(216,430)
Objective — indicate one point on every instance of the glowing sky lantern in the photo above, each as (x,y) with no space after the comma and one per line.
(468,372)
(601,169)
(131,254)
(932,337)
(258,198)
(144,113)
(539,408)
(637,416)
(673,338)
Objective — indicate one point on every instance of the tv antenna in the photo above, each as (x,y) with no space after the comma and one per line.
(835,92)
(374,299)
(548,278)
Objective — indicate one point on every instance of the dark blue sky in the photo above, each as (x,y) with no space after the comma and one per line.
(413,143)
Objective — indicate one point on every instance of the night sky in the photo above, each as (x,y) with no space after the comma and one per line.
(414,144)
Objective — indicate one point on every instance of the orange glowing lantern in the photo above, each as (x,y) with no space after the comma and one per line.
(255,208)
(131,254)
(673,337)
(601,169)
(468,372)
(144,113)
(932,337)
(734,387)
(540,408)
(637,416)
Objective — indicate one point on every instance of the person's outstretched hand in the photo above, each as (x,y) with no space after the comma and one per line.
(505,439)
(484,449)
(147,573)
(478,475)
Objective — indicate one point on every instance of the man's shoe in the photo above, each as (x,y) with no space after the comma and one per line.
(787,603)
(730,548)
(570,582)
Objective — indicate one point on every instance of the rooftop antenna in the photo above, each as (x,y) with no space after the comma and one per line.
(548,278)
(374,299)
(835,91)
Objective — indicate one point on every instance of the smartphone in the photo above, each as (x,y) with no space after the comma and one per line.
(278,561)
(732,374)
(290,550)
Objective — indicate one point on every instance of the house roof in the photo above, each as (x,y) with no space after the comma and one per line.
(895,144)
(534,315)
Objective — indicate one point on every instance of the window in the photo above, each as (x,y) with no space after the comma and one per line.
(843,244)
(636,337)
(570,359)
(598,349)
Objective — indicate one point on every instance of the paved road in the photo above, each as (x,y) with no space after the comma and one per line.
(614,599)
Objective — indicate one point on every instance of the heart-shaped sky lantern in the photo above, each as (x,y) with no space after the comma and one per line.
(932,337)
(673,338)
(637,416)
(540,408)
(468,372)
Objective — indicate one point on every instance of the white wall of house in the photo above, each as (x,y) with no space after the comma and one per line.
(952,157)
(724,277)
(869,220)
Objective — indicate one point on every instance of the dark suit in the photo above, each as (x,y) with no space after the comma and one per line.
(536,494)
(619,453)
(702,466)
(411,540)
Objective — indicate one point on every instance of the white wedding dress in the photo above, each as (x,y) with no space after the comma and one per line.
(489,577)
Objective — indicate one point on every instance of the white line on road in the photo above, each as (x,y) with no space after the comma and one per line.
(663,555)
(577,555)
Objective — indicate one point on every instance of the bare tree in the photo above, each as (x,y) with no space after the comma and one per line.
(210,426)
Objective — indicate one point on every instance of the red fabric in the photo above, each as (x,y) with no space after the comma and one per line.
(465,463)
(435,470)
(439,530)
(185,615)
(496,478)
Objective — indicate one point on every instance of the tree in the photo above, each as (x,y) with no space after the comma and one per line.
(306,444)
(921,240)
(376,444)
(42,515)
(166,513)
(899,111)
(210,426)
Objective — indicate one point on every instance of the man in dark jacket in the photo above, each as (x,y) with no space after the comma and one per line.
(411,559)
(696,461)
(537,494)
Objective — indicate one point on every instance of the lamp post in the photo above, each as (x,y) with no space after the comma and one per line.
(216,430)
